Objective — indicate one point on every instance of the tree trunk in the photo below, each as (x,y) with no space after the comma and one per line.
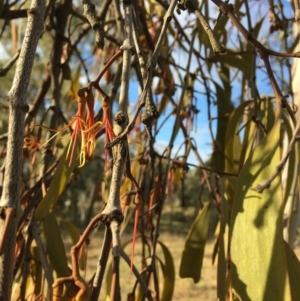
(10,200)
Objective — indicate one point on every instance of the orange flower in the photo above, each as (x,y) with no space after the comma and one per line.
(79,130)
(91,125)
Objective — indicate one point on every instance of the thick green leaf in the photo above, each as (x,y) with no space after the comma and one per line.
(289,178)
(169,274)
(222,279)
(293,266)
(55,246)
(60,179)
(258,269)
(192,256)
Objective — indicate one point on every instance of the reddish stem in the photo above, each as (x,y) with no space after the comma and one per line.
(136,219)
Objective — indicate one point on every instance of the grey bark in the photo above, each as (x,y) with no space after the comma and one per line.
(13,165)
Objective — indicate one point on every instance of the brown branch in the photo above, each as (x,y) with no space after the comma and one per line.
(9,15)
(137,275)
(80,288)
(6,68)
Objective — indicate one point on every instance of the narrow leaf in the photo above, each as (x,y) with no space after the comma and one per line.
(192,256)
(169,274)
(55,246)
(293,267)
(60,179)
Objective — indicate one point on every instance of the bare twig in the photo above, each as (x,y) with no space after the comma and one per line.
(116,247)
(90,13)
(101,265)
(150,67)
(138,276)
(6,68)
(216,46)
(267,182)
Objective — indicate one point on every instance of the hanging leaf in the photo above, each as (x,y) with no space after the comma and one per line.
(55,246)
(225,108)
(168,270)
(293,267)
(192,256)
(232,153)
(60,179)
(257,269)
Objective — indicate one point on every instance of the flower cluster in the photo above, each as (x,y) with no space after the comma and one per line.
(84,128)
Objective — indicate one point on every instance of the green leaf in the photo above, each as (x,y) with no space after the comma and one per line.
(168,270)
(192,256)
(225,108)
(60,179)
(232,152)
(258,270)
(222,279)
(293,266)
(75,236)
(290,177)
(55,246)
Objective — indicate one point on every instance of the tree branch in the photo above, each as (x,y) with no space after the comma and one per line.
(17,108)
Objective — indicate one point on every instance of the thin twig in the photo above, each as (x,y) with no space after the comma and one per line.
(116,248)
(90,13)
(216,46)
(150,67)
(267,182)
(6,68)
(101,265)
(137,275)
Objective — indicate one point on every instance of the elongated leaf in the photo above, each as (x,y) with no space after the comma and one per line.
(60,179)
(293,267)
(233,148)
(75,235)
(224,110)
(232,152)
(169,274)
(222,279)
(192,256)
(55,246)
(290,174)
(258,269)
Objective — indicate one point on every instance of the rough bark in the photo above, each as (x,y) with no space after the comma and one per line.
(10,200)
